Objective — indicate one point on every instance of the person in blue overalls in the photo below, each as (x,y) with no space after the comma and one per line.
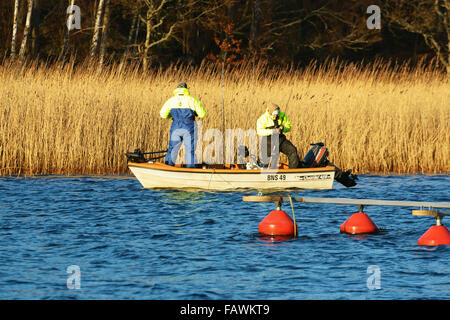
(182,108)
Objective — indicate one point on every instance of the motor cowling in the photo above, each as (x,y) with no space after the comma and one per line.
(317,156)
(136,156)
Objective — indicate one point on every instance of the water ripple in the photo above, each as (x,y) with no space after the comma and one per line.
(131,243)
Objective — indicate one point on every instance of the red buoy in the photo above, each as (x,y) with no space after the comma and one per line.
(359,223)
(277,223)
(435,236)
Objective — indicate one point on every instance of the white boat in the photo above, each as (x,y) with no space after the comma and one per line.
(231,177)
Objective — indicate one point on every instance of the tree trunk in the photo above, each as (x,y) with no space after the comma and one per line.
(254,28)
(443,11)
(138,25)
(447,28)
(35,22)
(67,34)
(134,29)
(98,21)
(14,33)
(26,32)
(104,35)
(145,61)
(447,60)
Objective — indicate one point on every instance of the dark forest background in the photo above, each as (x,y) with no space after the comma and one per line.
(162,32)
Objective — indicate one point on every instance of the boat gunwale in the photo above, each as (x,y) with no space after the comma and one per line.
(164,167)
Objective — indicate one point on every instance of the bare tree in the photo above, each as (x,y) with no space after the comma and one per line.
(104,35)
(26,32)
(255,23)
(163,18)
(433,28)
(193,16)
(154,19)
(35,22)
(136,34)
(132,37)
(97,27)
(67,33)
(14,33)
(133,31)
(321,24)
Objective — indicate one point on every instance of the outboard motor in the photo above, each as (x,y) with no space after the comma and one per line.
(136,156)
(345,177)
(317,156)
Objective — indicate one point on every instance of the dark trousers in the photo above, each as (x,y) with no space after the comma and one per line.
(286,147)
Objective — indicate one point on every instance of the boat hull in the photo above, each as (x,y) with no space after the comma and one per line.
(161,176)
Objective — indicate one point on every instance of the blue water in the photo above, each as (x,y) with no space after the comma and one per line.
(131,243)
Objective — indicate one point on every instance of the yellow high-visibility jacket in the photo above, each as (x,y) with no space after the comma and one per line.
(182,106)
(266,121)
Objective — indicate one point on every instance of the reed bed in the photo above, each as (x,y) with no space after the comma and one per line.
(377,118)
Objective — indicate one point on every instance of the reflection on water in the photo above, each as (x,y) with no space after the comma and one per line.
(275,239)
(184,196)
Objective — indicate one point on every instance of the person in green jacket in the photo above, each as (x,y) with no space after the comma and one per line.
(275,122)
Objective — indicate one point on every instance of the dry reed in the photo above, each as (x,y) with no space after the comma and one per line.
(378,118)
